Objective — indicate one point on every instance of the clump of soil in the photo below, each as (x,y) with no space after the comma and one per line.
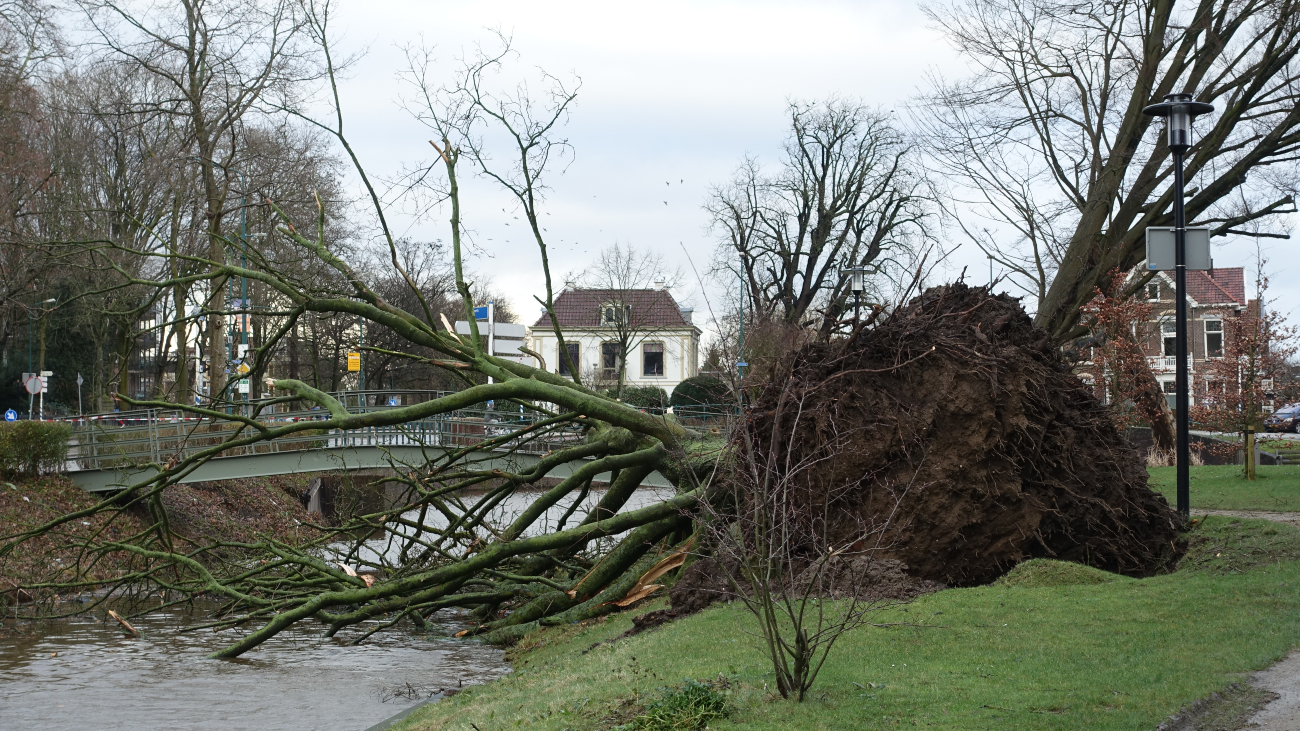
(701,584)
(867,578)
(953,433)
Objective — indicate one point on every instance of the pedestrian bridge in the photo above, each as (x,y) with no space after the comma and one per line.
(112,451)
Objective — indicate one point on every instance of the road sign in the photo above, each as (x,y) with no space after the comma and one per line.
(480,313)
(11,415)
(243,385)
(354,362)
(243,368)
(33,383)
(80,380)
(1160,248)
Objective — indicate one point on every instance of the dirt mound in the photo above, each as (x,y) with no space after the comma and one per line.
(701,584)
(954,430)
(869,578)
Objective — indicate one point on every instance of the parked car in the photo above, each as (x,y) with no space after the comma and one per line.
(1286,418)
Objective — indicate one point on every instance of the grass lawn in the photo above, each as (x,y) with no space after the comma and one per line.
(1119,654)
(1221,487)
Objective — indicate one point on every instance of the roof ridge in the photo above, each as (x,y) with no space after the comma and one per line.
(1221,287)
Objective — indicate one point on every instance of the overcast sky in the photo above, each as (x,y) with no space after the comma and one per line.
(673,96)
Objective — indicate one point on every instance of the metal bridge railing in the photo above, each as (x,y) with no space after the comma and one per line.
(106,441)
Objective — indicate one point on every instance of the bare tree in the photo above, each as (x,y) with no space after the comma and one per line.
(769,533)
(1233,391)
(217,60)
(846,193)
(458,552)
(1058,170)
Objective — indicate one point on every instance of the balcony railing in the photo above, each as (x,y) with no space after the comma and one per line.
(1162,363)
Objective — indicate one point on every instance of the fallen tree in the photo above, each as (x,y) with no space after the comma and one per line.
(973,441)
(955,394)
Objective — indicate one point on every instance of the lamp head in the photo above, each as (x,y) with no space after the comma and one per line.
(857,278)
(1179,109)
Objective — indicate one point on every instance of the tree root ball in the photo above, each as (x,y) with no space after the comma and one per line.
(952,437)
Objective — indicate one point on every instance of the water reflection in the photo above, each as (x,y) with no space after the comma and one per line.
(81,674)
(390,546)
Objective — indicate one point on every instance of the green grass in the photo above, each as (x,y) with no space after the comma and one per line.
(1038,572)
(1221,487)
(1121,654)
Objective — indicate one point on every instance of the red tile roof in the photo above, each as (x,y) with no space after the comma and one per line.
(581,308)
(1226,286)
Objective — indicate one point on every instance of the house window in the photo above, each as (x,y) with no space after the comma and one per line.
(652,359)
(573,357)
(1214,338)
(611,314)
(1170,332)
(1171,393)
(609,360)
(1153,292)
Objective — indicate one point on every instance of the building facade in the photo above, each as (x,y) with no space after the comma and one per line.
(1214,297)
(663,342)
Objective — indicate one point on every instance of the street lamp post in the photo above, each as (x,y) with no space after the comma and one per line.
(1178,111)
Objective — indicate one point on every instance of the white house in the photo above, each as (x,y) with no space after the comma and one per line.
(664,348)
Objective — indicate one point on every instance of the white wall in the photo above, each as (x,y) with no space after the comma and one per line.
(681,353)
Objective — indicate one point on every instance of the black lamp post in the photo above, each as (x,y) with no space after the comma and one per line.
(1178,111)
(857,279)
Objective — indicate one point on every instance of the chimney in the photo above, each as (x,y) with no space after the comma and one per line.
(570,284)
(660,284)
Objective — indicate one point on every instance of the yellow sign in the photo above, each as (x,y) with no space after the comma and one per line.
(354,362)
(243,368)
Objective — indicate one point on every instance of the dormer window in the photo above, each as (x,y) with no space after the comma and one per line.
(1153,292)
(611,314)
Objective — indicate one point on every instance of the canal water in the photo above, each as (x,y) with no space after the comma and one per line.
(80,674)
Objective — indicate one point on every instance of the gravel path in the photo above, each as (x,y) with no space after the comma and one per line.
(1288,518)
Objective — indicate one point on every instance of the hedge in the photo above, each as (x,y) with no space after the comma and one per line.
(33,447)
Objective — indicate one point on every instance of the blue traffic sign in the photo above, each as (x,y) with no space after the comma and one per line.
(11,415)
(480,313)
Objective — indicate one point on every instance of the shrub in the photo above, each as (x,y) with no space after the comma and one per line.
(701,390)
(33,447)
(652,398)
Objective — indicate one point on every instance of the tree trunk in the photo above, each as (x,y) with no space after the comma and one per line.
(1154,407)
(1250,454)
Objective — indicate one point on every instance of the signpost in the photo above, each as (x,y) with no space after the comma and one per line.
(11,415)
(354,362)
(45,386)
(33,384)
(80,381)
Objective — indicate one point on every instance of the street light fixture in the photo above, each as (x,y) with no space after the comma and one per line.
(1178,111)
(857,282)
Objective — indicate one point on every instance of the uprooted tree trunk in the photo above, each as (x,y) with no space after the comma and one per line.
(1004,452)
(956,394)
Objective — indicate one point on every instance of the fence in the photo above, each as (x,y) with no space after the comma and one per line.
(106,441)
